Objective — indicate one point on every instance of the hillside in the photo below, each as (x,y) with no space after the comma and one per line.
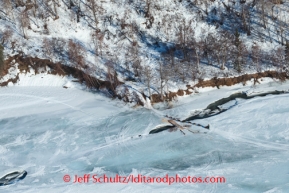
(153,47)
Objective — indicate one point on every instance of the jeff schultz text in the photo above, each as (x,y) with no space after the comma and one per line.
(88,178)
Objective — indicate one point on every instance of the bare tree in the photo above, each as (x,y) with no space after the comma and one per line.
(47,47)
(279,58)
(197,52)
(24,22)
(245,16)
(35,5)
(55,4)
(7,5)
(6,35)
(132,58)
(256,54)
(224,50)
(239,53)
(147,76)
(185,37)
(50,7)
(58,46)
(2,64)
(262,7)
(94,8)
(208,48)
(287,54)
(163,72)
(97,38)
(137,68)
(170,60)
(76,54)
(111,76)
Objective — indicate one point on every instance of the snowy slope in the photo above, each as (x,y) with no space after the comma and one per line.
(122,23)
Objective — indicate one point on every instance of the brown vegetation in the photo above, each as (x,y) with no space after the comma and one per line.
(217,82)
(39,65)
(24,64)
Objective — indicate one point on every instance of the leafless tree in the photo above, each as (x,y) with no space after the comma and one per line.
(164,75)
(76,54)
(97,38)
(240,54)
(6,35)
(222,48)
(50,7)
(279,58)
(58,46)
(111,76)
(132,58)
(147,77)
(287,55)
(208,49)
(256,54)
(94,8)
(47,47)
(197,52)
(246,17)
(185,37)
(24,22)
(7,5)
(2,63)
(262,6)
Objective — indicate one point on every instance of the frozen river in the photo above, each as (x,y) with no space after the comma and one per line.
(51,132)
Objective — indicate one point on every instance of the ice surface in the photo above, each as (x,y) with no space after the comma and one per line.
(52,131)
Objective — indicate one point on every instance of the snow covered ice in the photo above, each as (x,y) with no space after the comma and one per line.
(52,131)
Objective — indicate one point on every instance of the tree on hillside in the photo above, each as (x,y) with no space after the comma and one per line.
(94,8)
(2,67)
(239,53)
(278,58)
(76,54)
(208,48)
(237,38)
(97,38)
(147,76)
(222,49)
(133,58)
(197,52)
(246,17)
(185,35)
(50,8)
(55,4)
(47,47)
(7,5)
(111,76)
(262,6)
(287,54)
(24,22)
(6,35)
(164,75)
(256,54)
